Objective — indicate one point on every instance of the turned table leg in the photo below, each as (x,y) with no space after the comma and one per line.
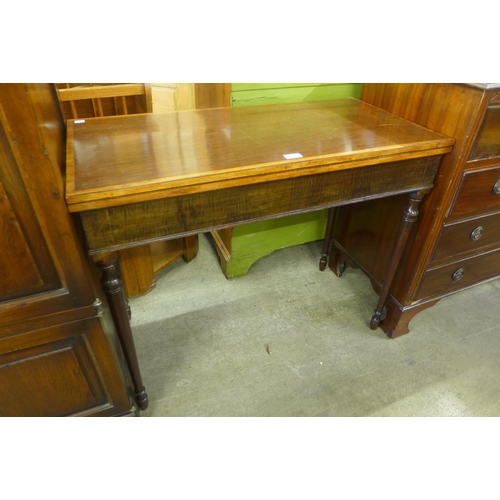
(113,288)
(410,215)
(328,239)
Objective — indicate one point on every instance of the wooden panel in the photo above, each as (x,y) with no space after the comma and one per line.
(225,240)
(212,95)
(30,149)
(439,281)
(368,231)
(476,193)
(403,100)
(172,97)
(163,97)
(136,266)
(52,372)
(24,274)
(122,225)
(184,96)
(56,379)
(469,236)
(488,142)
(27,267)
(63,370)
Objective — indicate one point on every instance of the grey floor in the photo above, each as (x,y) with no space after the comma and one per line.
(202,344)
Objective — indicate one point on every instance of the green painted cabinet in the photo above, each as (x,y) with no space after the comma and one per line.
(240,246)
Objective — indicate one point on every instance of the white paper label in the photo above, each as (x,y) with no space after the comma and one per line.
(291,156)
(79,121)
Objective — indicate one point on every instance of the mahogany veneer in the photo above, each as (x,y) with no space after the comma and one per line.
(185,172)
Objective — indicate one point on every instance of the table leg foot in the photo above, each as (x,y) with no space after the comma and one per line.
(322,261)
(141,398)
(375,321)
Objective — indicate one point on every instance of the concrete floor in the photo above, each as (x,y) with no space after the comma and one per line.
(201,341)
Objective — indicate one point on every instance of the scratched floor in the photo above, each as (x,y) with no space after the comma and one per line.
(289,340)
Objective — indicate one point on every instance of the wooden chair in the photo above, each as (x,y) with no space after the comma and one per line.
(139,264)
(88,100)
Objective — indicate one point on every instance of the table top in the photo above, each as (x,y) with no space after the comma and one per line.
(123,159)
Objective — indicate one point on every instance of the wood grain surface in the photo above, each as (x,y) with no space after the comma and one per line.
(119,160)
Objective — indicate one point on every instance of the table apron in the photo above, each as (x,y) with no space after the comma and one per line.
(114,228)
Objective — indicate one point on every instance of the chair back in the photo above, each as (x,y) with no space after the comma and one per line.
(92,99)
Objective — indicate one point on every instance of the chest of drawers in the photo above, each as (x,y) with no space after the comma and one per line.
(456,243)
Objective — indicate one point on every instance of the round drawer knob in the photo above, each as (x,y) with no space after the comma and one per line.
(477,233)
(458,274)
(496,187)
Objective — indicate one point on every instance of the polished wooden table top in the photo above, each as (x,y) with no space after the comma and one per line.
(124,159)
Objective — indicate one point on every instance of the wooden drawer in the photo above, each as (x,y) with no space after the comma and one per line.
(469,236)
(479,192)
(461,274)
(488,140)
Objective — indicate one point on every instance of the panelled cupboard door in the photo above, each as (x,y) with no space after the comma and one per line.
(58,349)
(59,371)
(42,260)
(27,266)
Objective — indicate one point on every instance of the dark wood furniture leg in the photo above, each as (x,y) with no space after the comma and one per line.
(113,288)
(328,239)
(410,215)
(397,319)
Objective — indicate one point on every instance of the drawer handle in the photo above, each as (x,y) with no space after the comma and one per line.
(477,233)
(458,274)
(496,187)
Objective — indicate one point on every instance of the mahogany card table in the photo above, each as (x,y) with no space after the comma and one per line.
(138,179)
